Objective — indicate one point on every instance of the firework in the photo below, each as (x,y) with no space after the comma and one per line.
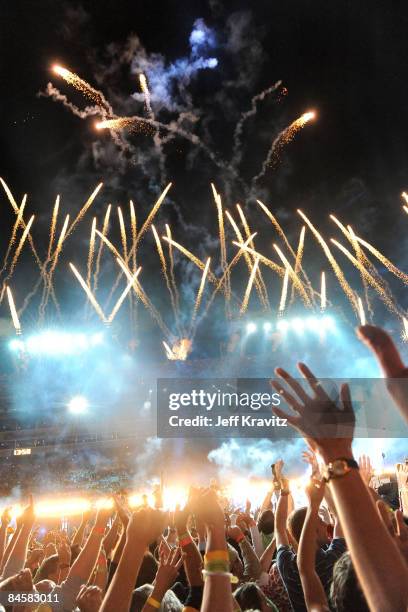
(386,262)
(84,209)
(267,262)
(122,297)
(361,311)
(282,303)
(201,290)
(84,87)
(405,332)
(200,264)
(179,351)
(295,278)
(16,225)
(336,268)
(245,301)
(258,277)
(223,248)
(89,293)
(323,300)
(165,272)
(91,252)
(122,232)
(298,260)
(134,124)
(145,89)
(13,312)
(404,195)
(133,230)
(53,226)
(171,266)
(17,255)
(54,262)
(99,255)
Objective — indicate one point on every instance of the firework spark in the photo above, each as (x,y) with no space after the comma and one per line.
(53,226)
(89,293)
(282,303)
(122,232)
(91,252)
(386,262)
(323,300)
(145,89)
(84,87)
(361,311)
(122,297)
(17,255)
(13,312)
(245,301)
(16,225)
(105,227)
(299,258)
(165,273)
(295,278)
(200,290)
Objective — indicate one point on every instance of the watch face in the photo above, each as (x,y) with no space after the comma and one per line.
(339,467)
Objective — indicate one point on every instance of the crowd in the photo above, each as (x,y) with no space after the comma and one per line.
(345,551)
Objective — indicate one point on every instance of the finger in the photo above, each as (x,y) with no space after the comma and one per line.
(294,384)
(385,516)
(383,348)
(312,380)
(288,397)
(292,420)
(402,529)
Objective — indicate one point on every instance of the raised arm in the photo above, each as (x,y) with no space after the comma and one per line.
(5,521)
(313,590)
(381,570)
(18,554)
(281,516)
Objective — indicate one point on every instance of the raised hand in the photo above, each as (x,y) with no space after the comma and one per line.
(396,526)
(168,570)
(28,516)
(366,469)
(208,510)
(389,359)
(315,492)
(317,418)
(146,526)
(89,599)
(309,457)
(122,510)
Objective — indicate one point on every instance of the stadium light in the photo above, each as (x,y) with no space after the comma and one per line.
(298,325)
(57,343)
(282,325)
(251,328)
(267,326)
(78,405)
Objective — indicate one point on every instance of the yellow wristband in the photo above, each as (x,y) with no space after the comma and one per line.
(153,602)
(216,555)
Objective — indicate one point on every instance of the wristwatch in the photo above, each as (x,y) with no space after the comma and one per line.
(338,468)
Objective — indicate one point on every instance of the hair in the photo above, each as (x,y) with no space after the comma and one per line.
(295,522)
(170,603)
(48,567)
(345,591)
(266,522)
(148,570)
(249,596)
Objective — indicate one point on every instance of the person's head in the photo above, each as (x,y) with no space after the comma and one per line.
(249,596)
(148,570)
(295,524)
(48,570)
(45,586)
(266,522)
(345,592)
(170,603)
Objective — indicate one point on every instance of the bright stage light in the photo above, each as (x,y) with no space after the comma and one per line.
(328,322)
(57,343)
(298,325)
(16,345)
(251,328)
(78,404)
(267,326)
(313,323)
(282,325)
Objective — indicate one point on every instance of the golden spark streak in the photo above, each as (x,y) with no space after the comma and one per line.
(267,262)
(169,352)
(138,289)
(89,293)
(295,278)
(149,219)
(16,225)
(117,124)
(145,89)
(247,257)
(54,219)
(122,232)
(123,296)
(361,312)
(105,227)
(91,252)
(277,226)
(259,282)
(13,311)
(323,301)
(369,278)
(83,86)
(223,247)
(171,260)
(404,195)
(20,246)
(165,272)
(405,209)
(201,289)
(282,303)
(245,301)
(133,229)
(298,260)
(193,258)
(109,244)
(336,268)
(405,332)
(386,262)
(84,209)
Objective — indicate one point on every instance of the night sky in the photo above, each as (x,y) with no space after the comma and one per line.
(346,60)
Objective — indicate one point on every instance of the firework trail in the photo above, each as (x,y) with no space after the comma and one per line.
(237,144)
(91,252)
(166,275)
(282,139)
(105,227)
(133,230)
(171,261)
(405,209)
(404,195)
(85,88)
(54,262)
(139,291)
(267,262)
(223,248)
(89,293)
(14,232)
(265,300)
(13,312)
(299,258)
(386,262)
(54,93)
(405,332)
(245,301)
(53,227)
(361,312)
(84,209)
(282,303)
(336,268)
(380,290)
(17,255)
(193,258)
(295,278)
(123,296)
(323,300)
(200,291)
(283,236)
(122,232)
(247,258)
(145,89)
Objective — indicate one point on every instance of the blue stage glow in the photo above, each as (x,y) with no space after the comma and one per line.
(251,328)
(57,343)
(267,326)
(78,405)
